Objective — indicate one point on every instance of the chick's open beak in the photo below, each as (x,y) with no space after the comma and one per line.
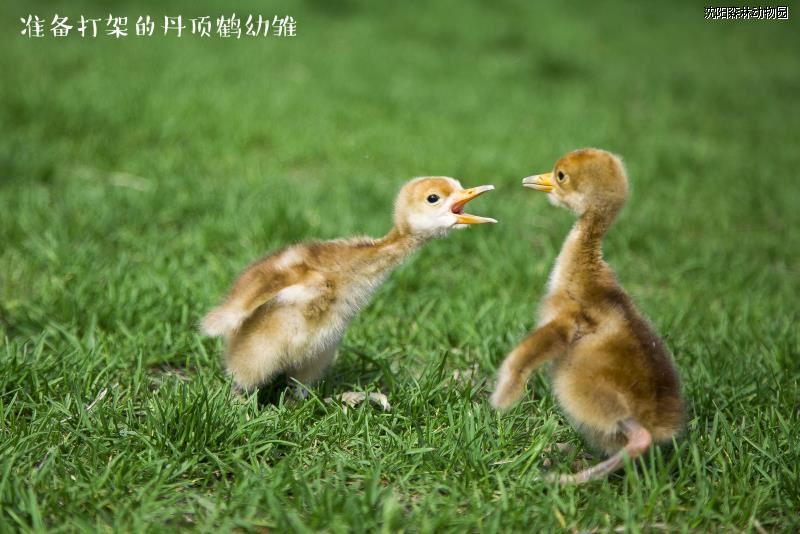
(540,182)
(461,199)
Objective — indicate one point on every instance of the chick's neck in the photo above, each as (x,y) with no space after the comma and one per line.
(398,244)
(593,224)
(384,254)
(580,262)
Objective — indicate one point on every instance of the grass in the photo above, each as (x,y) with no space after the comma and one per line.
(137,177)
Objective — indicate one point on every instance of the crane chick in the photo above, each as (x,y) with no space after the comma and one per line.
(611,373)
(287,312)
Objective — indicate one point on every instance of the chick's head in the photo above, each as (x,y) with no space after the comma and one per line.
(431,206)
(584,180)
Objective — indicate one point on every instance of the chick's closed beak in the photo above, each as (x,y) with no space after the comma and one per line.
(540,182)
(461,199)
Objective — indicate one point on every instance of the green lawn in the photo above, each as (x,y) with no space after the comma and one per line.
(138,176)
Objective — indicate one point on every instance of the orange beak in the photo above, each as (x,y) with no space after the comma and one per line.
(540,182)
(461,199)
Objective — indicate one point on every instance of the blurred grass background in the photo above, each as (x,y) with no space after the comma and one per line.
(138,176)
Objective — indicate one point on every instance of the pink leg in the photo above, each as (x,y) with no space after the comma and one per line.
(639,440)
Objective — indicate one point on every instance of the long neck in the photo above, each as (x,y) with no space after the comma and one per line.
(390,251)
(590,228)
(398,245)
(581,258)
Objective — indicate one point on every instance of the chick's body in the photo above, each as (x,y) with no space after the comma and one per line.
(322,287)
(611,373)
(614,366)
(287,312)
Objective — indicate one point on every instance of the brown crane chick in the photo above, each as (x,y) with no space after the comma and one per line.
(287,312)
(611,373)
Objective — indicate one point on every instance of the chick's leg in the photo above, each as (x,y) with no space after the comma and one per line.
(543,344)
(639,440)
(311,370)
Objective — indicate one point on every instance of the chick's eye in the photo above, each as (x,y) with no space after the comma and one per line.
(433,199)
(560,176)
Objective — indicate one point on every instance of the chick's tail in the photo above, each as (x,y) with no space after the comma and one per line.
(222,321)
(510,386)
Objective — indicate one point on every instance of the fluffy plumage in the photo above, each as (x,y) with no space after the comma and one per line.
(287,312)
(611,373)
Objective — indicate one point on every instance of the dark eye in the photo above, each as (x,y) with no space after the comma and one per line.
(560,176)
(432,199)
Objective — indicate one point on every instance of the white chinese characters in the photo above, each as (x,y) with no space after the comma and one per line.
(224,26)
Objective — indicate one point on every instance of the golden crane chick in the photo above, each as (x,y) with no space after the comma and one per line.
(611,373)
(287,312)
